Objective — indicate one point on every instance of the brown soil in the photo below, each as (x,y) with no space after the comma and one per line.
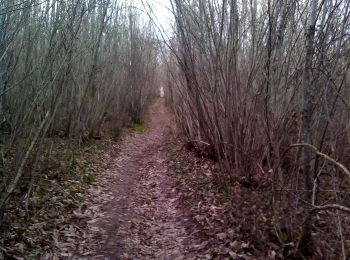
(144,218)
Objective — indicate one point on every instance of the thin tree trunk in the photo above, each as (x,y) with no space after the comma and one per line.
(306,242)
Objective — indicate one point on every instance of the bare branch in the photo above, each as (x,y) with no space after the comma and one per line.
(341,166)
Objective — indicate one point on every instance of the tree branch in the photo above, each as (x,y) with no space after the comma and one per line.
(325,156)
(332,206)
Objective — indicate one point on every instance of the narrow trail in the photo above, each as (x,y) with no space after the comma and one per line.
(144,219)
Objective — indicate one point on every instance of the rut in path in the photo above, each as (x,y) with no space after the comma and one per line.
(144,219)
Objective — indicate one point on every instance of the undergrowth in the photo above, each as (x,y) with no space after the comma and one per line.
(139,127)
(242,220)
(43,206)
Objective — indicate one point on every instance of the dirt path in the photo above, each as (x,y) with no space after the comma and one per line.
(143,220)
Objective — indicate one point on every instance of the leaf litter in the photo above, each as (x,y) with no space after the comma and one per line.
(146,205)
(150,199)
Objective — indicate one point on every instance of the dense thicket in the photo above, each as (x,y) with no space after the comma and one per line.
(66,68)
(250,79)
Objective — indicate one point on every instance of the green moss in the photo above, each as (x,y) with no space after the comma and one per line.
(117,133)
(139,127)
(88,178)
(67,185)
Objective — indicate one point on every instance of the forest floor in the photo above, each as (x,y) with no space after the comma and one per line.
(138,207)
(143,197)
(149,196)
(143,220)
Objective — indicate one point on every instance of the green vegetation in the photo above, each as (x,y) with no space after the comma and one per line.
(88,178)
(139,127)
(117,133)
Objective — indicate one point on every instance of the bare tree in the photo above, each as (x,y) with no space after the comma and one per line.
(64,67)
(246,85)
